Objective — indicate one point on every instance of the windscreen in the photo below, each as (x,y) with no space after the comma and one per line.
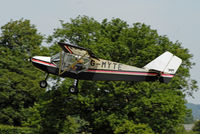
(56,57)
(75,63)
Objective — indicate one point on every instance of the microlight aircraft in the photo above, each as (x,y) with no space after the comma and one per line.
(81,64)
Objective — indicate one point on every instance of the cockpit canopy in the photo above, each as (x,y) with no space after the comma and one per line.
(71,62)
(56,57)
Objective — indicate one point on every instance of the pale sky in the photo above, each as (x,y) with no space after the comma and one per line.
(178,19)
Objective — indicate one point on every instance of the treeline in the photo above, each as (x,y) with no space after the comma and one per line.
(100,107)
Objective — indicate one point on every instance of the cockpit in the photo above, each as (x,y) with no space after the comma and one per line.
(71,62)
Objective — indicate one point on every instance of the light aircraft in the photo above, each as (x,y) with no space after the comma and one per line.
(81,64)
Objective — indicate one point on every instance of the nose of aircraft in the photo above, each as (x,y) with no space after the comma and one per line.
(42,62)
(41,58)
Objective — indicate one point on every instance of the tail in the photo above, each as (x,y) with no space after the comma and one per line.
(167,64)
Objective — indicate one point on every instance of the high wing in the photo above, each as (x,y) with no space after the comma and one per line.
(77,50)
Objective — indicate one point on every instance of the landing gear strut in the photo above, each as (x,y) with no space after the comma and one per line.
(43,83)
(74,89)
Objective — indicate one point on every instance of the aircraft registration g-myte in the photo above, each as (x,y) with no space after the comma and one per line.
(81,64)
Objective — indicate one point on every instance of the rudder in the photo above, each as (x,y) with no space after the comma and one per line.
(167,64)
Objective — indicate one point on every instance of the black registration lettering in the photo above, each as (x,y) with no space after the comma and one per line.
(103,64)
(109,63)
(92,62)
(119,66)
(114,65)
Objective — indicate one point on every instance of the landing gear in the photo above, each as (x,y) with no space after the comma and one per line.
(43,83)
(74,89)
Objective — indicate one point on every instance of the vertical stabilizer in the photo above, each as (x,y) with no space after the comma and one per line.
(173,65)
(166,63)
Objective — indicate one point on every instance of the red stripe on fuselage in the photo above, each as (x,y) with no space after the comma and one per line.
(167,75)
(122,72)
(43,62)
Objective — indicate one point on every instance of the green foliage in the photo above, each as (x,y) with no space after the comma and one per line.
(159,106)
(54,114)
(32,117)
(17,130)
(69,126)
(51,114)
(18,79)
(196,127)
(21,102)
(128,127)
(189,118)
(181,130)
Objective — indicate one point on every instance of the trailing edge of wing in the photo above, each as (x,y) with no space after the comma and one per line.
(69,48)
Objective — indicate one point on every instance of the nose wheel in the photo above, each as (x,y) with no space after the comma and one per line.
(43,83)
(74,88)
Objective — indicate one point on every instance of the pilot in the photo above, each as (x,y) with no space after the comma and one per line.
(79,65)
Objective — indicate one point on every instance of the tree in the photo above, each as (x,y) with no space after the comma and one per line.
(19,88)
(181,130)
(128,127)
(51,115)
(196,127)
(189,117)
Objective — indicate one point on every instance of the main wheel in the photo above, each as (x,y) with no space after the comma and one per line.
(73,90)
(43,84)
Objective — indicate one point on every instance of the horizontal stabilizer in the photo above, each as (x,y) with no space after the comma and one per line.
(166,63)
